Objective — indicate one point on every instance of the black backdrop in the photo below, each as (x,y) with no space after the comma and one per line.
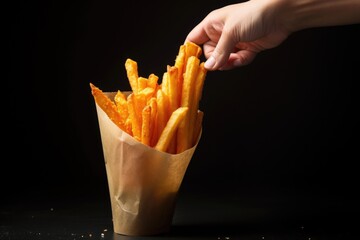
(286,124)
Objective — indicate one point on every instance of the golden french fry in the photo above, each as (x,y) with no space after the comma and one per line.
(145,125)
(161,113)
(142,83)
(173,88)
(147,93)
(134,117)
(180,63)
(121,104)
(128,126)
(185,130)
(153,81)
(192,49)
(180,58)
(153,120)
(199,82)
(167,134)
(132,73)
(108,106)
(190,75)
(119,95)
(140,103)
(165,83)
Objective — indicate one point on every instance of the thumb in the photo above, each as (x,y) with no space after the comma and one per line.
(221,53)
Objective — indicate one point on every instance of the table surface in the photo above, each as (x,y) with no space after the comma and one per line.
(196,217)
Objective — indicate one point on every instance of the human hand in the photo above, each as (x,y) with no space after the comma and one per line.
(232,36)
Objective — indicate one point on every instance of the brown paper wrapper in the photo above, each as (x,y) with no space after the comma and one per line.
(143,182)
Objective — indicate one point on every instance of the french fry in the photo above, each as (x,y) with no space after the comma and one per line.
(165,83)
(180,58)
(199,82)
(134,117)
(184,134)
(161,113)
(128,126)
(180,63)
(107,106)
(121,104)
(139,103)
(153,121)
(142,83)
(132,73)
(191,49)
(153,81)
(173,92)
(145,125)
(146,93)
(175,119)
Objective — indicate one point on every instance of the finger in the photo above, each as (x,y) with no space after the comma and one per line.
(239,59)
(221,53)
(208,48)
(198,35)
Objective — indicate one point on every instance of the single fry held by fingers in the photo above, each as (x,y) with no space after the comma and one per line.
(164,115)
(185,131)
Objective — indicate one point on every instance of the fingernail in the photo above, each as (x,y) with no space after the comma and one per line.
(210,63)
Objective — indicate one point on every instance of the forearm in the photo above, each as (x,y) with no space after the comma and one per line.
(301,14)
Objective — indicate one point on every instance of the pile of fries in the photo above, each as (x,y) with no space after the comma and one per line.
(164,115)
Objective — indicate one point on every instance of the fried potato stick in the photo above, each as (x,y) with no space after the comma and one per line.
(121,104)
(161,118)
(135,121)
(153,81)
(145,125)
(184,134)
(172,74)
(142,83)
(191,49)
(198,87)
(180,63)
(108,106)
(153,121)
(169,131)
(132,74)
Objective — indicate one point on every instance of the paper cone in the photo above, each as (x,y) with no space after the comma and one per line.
(143,182)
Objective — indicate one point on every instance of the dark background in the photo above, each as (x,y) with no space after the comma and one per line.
(285,126)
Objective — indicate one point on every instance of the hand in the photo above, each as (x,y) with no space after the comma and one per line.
(232,36)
